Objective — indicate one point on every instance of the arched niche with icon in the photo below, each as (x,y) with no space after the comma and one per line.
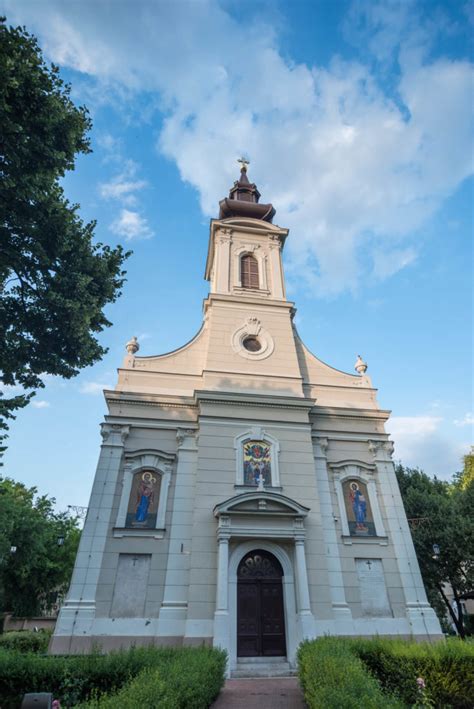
(145,484)
(356,491)
(358,509)
(143,501)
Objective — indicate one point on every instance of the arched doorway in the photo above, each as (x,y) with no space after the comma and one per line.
(260,612)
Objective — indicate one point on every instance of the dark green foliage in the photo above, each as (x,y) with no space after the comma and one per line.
(336,672)
(192,680)
(25,640)
(444,510)
(40,569)
(196,674)
(447,668)
(333,677)
(54,281)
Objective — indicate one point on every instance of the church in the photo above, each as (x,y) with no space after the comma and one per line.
(245,495)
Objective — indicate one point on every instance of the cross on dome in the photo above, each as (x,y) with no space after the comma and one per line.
(243,163)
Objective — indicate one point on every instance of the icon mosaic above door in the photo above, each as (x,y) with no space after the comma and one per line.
(257,463)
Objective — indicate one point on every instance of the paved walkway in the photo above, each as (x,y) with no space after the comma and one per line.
(261,693)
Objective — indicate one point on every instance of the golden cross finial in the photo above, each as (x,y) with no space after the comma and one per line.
(243,163)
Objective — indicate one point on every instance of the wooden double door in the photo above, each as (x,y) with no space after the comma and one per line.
(260,609)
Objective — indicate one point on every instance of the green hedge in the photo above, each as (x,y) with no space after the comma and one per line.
(447,667)
(75,679)
(191,681)
(26,640)
(353,673)
(333,677)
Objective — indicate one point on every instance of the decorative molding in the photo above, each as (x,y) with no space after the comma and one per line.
(114,434)
(374,447)
(323,444)
(224,235)
(183,433)
(252,326)
(142,402)
(274,241)
(290,508)
(340,466)
(264,404)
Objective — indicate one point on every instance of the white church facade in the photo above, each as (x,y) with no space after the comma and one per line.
(245,494)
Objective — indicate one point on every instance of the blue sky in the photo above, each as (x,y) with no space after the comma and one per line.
(356,118)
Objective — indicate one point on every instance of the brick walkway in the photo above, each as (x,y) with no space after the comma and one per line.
(261,693)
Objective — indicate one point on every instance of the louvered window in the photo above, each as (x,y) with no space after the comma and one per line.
(249,271)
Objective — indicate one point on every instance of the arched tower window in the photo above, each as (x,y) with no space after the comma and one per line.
(249,271)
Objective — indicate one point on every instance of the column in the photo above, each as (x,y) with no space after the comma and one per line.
(78,611)
(304,606)
(221,615)
(173,612)
(420,615)
(341,611)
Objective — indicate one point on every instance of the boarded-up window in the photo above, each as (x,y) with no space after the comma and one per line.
(249,271)
(131,585)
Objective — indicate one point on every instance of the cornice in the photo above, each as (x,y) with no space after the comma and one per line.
(254,400)
(233,301)
(346,412)
(136,399)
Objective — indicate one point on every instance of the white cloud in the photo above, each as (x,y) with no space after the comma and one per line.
(124,185)
(94,388)
(40,404)
(131,225)
(468,420)
(388,262)
(420,441)
(352,169)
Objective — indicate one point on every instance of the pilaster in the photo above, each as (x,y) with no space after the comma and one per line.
(78,612)
(340,608)
(221,615)
(173,612)
(420,615)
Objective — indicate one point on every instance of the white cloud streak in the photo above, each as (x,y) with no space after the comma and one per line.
(94,388)
(131,226)
(468,420)
(421,442)
(353,170)
(40,404)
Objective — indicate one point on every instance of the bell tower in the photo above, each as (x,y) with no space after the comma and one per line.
(248,318)
(244,257)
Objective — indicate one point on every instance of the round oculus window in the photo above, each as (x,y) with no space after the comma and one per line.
(252,344)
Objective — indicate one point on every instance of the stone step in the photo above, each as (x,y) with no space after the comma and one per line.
(264,660)
(262,669)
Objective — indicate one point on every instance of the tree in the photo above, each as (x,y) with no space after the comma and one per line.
(54,281)
(443,514)
(34,567)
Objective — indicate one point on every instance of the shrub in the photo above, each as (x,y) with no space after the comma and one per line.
(337,672)
(447,668)
(74,679)
(192,680)
(26,640)
(333,677)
